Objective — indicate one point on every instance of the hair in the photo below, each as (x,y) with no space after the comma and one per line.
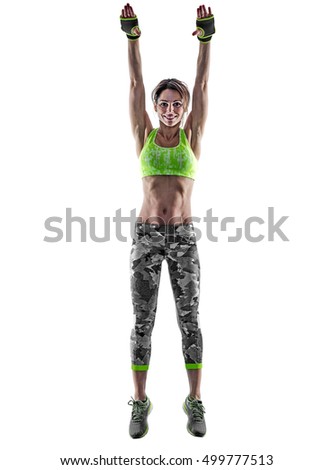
(172,84)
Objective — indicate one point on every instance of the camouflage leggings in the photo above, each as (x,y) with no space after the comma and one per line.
(150,246)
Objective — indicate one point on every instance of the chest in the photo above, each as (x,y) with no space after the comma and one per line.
(167,143)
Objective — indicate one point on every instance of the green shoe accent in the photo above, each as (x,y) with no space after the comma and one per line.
(140,367)
(193,366)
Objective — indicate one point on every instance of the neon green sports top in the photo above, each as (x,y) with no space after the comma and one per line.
(178,161)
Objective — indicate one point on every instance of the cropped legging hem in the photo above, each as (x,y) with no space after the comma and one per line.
(144,367)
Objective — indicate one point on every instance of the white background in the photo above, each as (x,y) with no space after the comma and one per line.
(265,307)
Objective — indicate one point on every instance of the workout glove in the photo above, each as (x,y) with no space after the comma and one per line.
(128,25)
(206,25)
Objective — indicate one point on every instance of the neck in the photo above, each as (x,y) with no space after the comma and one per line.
(168,133)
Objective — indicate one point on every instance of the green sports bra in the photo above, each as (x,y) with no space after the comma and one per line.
(178,161)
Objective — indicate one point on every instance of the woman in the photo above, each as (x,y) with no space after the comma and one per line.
(164,228)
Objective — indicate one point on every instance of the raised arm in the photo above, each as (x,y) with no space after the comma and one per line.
(140,122)
(195,123)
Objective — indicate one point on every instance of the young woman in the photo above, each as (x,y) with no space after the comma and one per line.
(164,228)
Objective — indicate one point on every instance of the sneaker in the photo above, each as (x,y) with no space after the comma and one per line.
(195,410)
(139,421)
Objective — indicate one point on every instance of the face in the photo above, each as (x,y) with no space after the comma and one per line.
(170,107)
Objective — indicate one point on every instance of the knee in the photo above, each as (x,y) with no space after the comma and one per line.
(144,320)
(189,323)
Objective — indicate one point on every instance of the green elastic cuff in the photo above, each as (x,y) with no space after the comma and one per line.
(140,367)
(193,366)
(129,19)
(205,18)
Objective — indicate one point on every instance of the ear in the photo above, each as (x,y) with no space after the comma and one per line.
(155,107)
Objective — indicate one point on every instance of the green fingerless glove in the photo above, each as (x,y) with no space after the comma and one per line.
(128,25)
(206,25)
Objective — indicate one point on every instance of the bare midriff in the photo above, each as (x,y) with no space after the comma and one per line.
(167,200)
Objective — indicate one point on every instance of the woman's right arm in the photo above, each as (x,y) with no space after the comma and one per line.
(140,122)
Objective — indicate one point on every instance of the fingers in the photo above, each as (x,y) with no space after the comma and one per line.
(127,11)
(202,12)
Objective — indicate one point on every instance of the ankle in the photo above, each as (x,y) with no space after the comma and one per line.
(140,396)
(195,396)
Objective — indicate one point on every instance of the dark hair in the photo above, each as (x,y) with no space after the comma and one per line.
(172,84)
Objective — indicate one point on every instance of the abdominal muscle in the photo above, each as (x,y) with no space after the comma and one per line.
(167,200)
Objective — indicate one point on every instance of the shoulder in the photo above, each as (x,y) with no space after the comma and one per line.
(148,128)
(188,126)
(193,135)
(150,136)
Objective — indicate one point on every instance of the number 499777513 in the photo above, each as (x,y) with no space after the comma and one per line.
(238,459)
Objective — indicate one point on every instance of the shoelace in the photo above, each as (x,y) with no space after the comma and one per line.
(198,409)
(138,409)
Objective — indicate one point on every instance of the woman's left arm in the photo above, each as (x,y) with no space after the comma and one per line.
(196,120)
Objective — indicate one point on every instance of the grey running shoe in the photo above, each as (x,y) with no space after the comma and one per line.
(139,420)
(195,411)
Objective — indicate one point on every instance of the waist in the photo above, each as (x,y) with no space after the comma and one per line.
(164,228)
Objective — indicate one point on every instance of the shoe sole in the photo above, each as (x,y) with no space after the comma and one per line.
(187,427)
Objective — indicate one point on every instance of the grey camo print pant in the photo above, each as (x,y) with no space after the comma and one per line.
(151,245)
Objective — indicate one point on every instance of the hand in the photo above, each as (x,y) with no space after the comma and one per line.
(202,13)
(127,12)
